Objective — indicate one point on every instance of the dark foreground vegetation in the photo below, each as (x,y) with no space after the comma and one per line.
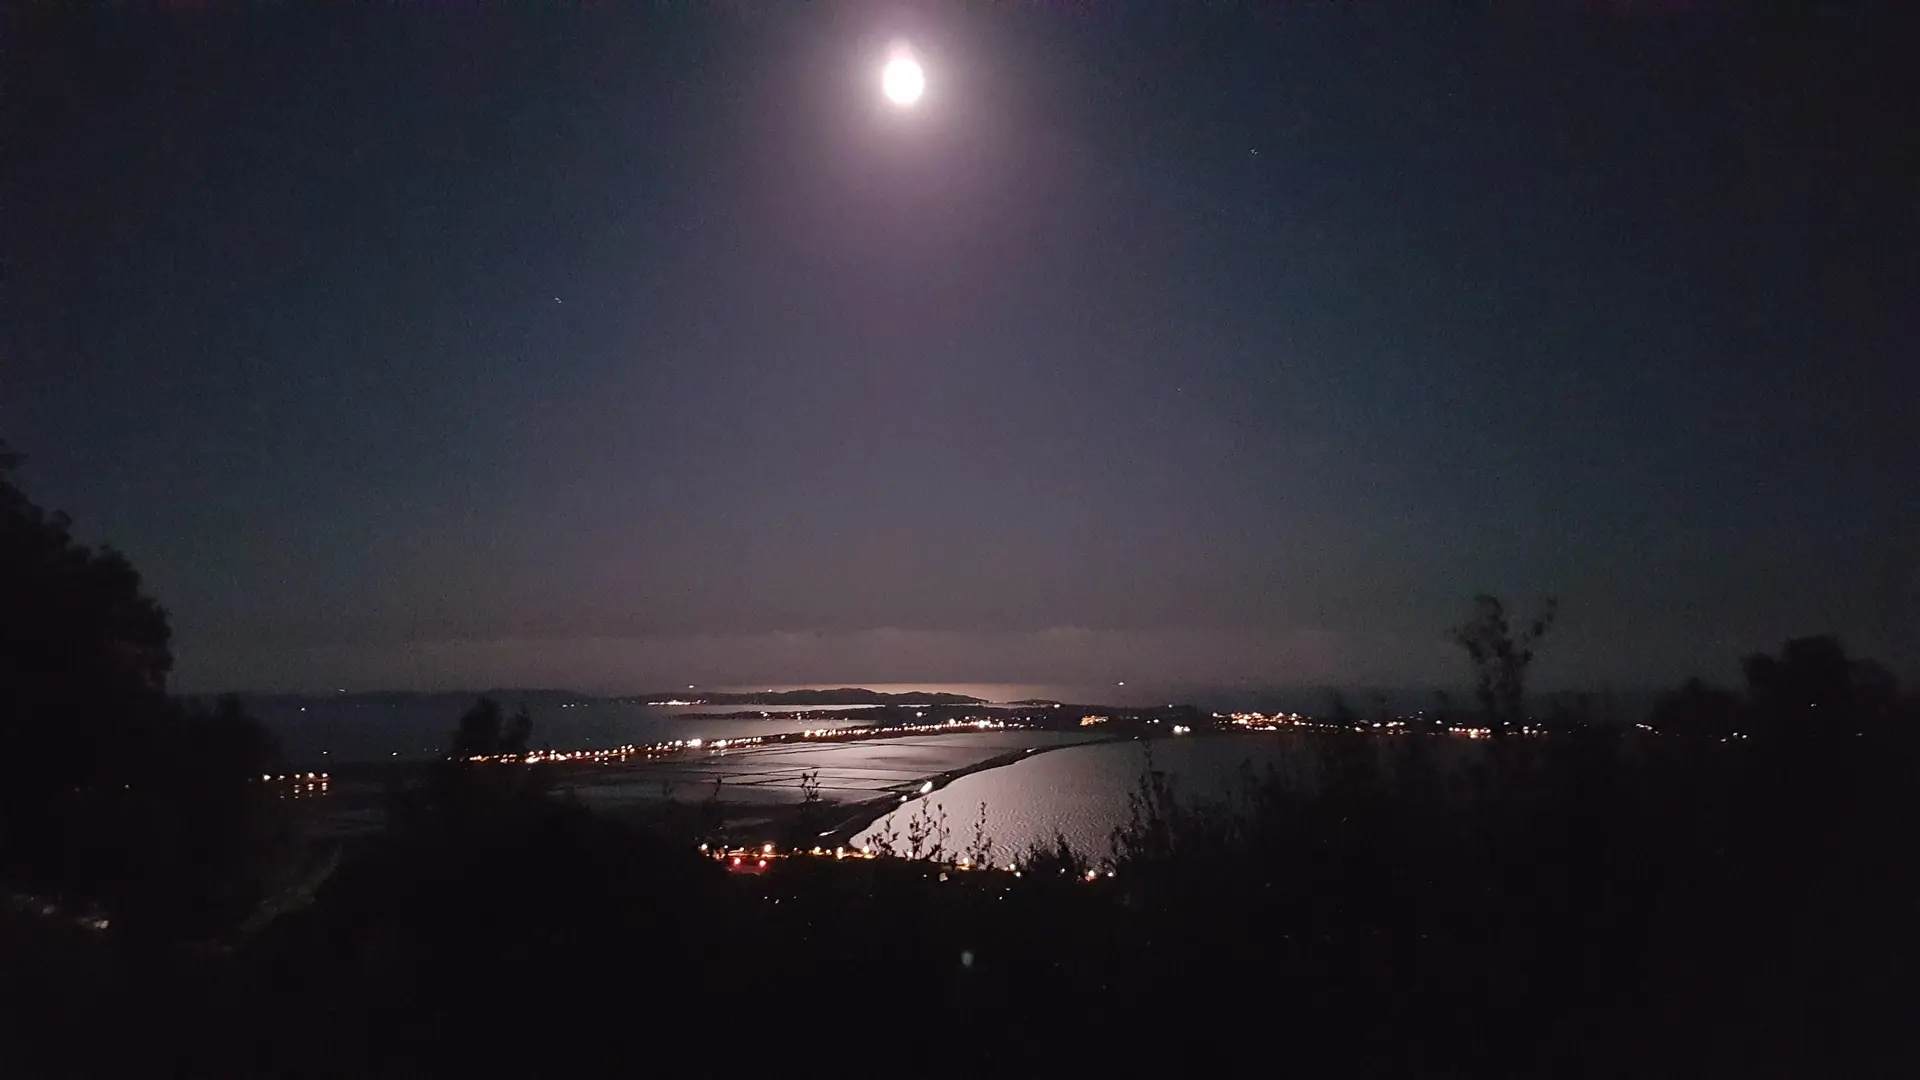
(1727,891)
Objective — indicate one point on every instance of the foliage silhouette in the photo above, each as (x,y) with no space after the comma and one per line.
(1602,901)
(84,658)
(1811,690)
(1501,656)
(979,850)
(485,732)
(482,782)
(112,793)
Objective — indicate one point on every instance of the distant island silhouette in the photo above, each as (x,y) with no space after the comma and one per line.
(536,697)
(845,695)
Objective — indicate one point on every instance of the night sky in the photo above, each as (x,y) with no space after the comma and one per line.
(459,350)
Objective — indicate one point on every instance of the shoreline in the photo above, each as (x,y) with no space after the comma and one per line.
(861,815)
(361,789)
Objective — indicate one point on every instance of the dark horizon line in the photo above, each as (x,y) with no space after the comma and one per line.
(1357,693)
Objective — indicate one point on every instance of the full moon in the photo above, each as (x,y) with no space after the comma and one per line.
(902,80)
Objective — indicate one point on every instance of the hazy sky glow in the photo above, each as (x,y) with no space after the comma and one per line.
(448,350)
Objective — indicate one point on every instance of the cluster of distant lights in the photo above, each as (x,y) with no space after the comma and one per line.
(758,860)
(1279,721)
(297,785)
(303,784)
(630,751)
(1253,721)
(300,784)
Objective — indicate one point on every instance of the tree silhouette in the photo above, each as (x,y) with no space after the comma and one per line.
(193,835)
(1501,656)
(464,793)
(110,791)
(485,732)
(1813,689)
(1698,710)
(84,659)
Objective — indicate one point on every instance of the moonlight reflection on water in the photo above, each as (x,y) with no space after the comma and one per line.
(1081,792)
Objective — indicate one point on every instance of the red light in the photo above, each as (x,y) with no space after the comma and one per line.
(736,860)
